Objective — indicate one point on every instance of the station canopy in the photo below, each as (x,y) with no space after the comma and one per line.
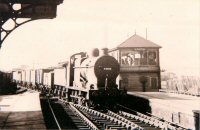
(35,9)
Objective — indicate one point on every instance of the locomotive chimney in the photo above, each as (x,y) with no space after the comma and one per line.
(95,52)
(104,51)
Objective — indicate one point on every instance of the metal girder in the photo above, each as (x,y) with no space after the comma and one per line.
(33,1)
(12,10)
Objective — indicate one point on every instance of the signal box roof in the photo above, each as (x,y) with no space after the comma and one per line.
(137,42)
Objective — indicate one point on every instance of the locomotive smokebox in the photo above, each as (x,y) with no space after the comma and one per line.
(104,51)
(95,52)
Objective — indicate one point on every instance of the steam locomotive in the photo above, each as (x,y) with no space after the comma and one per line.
(91,77)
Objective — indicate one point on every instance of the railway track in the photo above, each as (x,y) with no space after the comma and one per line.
(74,116)
(111,120)
(123,120)
(66,117)
(149,119)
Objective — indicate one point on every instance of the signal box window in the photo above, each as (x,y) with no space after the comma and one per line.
(152,58)
(138,57)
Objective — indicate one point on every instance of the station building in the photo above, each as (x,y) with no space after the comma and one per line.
(139,64)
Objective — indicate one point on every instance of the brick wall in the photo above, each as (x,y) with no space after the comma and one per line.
(131,81)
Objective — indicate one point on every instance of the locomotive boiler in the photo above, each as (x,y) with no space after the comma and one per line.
(95,77)
(96,72)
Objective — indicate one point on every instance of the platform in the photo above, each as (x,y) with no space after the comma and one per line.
(21,111)
(177,108)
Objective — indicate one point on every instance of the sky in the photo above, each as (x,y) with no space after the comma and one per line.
(81,25)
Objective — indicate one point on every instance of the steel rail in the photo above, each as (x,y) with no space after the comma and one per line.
(54,115)
(108,117)
(159,120)
(90,123)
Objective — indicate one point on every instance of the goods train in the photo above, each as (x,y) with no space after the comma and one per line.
(89,77)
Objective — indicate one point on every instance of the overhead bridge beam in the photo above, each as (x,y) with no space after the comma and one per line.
(33,1)
(11,10)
